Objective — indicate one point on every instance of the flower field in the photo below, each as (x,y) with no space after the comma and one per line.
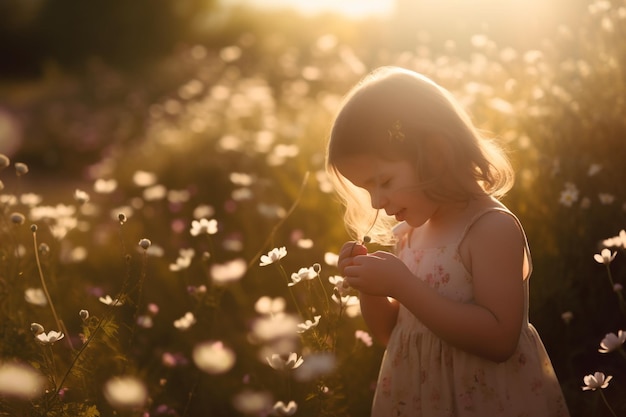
(168,240)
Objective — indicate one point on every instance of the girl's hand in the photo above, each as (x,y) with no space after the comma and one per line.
(347,253)
(378,273)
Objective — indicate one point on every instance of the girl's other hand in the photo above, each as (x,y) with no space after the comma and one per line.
(347,253)
(379,273)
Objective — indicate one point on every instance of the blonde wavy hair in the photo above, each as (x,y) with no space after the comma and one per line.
(397,114)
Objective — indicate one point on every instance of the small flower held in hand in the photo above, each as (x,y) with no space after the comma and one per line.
(273,256)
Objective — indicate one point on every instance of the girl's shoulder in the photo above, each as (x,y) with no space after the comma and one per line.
(490,216)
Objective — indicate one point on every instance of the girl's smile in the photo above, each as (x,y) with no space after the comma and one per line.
(393,186)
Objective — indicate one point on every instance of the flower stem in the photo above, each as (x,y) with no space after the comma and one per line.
(293,297)
(620,297)
(270,237)
(607,403)
(58,322)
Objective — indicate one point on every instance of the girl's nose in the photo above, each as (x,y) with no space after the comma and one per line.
(378,201)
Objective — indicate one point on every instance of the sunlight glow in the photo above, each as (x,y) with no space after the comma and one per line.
(349,8)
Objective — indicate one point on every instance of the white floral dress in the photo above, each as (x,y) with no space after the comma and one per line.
(423,376)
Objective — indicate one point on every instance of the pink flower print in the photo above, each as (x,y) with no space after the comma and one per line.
(385,385)
(521,359)
(536,385)
(423,377)
(435,396)
(466,401)
(418,255)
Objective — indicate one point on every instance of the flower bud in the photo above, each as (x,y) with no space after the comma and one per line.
(84,314)
(21,169)
(4,161)
(44,249)
(36,328)
(145,243)
(17,218)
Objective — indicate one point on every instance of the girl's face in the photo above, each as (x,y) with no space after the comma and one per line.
(393,186)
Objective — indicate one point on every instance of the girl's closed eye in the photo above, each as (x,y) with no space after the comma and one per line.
(384,183)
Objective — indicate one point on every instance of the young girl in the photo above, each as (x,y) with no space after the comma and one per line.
(451,305)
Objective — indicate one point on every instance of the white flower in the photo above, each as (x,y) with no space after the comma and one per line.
(316,365)
(102,186)
(50,338)
(303,274)
(228,271)
(213,357)
(364,337)
(144,178)
(595,381)
(282,409)
(308,324)
(569,195)
(612,342)
(341,285)
(253,402)
(605,256)
(273,256)
(110,301)
(616,241)
(125,392)
(594,169)
(567,317)
(81,196)
(606,198)
(331,259)
(185,322)
(20,381)
(203,227)
(268,305)
(272,328)
(35,296)
(184,259)
(278,362)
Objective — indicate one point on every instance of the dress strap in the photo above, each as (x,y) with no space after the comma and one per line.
(528,265)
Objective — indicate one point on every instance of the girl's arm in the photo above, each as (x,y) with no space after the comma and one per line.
(380,315)
(490,327)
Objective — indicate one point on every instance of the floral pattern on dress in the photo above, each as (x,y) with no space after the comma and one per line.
(423,376)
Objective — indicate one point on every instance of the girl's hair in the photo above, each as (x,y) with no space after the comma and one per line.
(397,114)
